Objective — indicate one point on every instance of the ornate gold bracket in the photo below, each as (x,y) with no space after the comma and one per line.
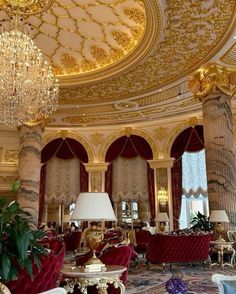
(25,7)
(211,79)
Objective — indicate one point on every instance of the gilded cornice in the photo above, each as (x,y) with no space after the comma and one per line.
(152,111)
(211,79)
(68,134)
(194,32)
(127,132)
(190,122)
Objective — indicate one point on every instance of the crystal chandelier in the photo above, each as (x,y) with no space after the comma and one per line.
(162,197)
(28,88)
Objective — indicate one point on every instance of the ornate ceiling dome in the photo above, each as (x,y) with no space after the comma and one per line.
(120,61)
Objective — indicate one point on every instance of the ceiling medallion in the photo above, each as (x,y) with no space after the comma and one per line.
(25,7)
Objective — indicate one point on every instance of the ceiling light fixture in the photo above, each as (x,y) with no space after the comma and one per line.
(28,88)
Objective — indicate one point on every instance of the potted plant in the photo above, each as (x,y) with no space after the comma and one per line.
(201,222)
(19,245)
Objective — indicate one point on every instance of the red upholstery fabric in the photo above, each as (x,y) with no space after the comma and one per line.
(142,239)
(178,248)
(72,240)
(46,277)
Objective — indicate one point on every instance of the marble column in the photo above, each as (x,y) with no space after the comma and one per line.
(162,177)
(214,86)
(29,169)
(96,176)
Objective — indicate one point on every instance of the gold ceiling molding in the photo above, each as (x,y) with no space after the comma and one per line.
(127,132)
(190,122)
(230,56)
(193,34)
(79,39)
(130,116)
(211,79)
(149,25)
(68,134)
(25,7)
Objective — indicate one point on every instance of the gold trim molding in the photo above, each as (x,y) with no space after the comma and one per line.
(127,132)
(190,122)
(68,134)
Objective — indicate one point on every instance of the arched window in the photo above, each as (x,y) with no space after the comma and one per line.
(194,187)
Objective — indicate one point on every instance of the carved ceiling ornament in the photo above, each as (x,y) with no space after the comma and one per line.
(211,79)
(194,32)
(25,7)
(230,56)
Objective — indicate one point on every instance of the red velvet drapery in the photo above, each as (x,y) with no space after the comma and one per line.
(64,148)
(190,140)
(43,172)
(129,147)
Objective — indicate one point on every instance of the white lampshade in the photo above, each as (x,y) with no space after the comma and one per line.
(162,217)
(218,216)
(93,206)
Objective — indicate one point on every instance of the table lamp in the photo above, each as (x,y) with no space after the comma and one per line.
(162,218)
(219,216)
(93,206)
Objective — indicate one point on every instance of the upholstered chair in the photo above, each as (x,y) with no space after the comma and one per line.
(225,283)
(44,278)
(72,240)
(142,240)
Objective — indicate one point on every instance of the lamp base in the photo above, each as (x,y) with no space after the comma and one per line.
(94,264)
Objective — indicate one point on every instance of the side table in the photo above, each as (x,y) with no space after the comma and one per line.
(75,276)
(222,247)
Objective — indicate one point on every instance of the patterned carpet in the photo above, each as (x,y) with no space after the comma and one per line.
(198,279)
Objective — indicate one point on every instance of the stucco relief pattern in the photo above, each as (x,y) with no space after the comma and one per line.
(188,40)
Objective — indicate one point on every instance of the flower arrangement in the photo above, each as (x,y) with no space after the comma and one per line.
(176,286)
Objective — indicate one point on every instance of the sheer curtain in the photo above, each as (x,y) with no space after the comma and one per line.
(129,179)
(194,180)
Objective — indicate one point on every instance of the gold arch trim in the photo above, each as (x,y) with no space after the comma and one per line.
(127,132)
(190,122)
(67,134)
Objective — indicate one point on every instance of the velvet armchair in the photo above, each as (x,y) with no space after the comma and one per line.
(72,240)
(44,278)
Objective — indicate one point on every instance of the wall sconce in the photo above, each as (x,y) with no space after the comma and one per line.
(162,197)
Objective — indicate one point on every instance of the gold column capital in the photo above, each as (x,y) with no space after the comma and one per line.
(96,166)
(161,163)
(212,79)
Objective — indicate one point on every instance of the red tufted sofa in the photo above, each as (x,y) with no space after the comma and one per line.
(178,248)
(46,277)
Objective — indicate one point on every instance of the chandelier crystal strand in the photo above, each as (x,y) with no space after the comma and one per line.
(28,88)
